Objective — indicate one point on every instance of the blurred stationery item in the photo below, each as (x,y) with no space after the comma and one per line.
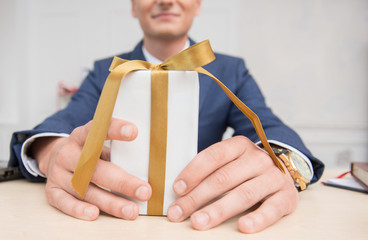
(359,170)
(345,181)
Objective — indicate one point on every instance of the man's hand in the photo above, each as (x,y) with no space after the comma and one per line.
(246,174)
(58,157)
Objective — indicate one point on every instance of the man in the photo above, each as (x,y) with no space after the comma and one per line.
(236,166)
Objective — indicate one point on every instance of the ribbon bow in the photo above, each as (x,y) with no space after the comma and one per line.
(190,59)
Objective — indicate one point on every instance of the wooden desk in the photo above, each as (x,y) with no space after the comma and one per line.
(323,213)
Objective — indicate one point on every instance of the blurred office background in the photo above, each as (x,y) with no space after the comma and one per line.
(310,58)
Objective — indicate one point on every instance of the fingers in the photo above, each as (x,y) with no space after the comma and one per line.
(208,161)
(214,172)
(118,130)
(246,174)
(121,130)
(110,176)
(64,158)
(105,154)
(111,203)
(66,203)
(113,177)
(107,174)
(59,197)
(63,197)
(269,212)
(95,199)
(238,200)
(219,182)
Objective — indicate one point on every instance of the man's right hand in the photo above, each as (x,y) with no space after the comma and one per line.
(57,158)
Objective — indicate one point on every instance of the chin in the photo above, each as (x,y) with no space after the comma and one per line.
(170,36)
(168,33)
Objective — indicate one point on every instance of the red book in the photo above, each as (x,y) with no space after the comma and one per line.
(359,170)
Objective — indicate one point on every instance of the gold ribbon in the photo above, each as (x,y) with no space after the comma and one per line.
(190,59)
(158,140)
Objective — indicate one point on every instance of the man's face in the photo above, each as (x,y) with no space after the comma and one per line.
(166,19)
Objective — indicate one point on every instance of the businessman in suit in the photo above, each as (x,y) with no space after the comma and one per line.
(236,166)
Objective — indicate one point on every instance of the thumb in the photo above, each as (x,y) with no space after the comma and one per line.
(121,130)
(118,130)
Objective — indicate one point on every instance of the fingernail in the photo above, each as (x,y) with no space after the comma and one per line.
(128,211)
(180,187)
(90,212)
(142,193)
(201,219)
(126,131)
(174,213)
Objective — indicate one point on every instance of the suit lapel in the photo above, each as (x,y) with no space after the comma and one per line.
(137,53)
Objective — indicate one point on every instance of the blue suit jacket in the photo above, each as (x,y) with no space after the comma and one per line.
(216,111)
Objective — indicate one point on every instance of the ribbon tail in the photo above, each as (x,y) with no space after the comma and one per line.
(250,114)
(100,124)
(93,146)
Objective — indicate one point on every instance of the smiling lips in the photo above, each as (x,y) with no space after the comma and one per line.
(164,15)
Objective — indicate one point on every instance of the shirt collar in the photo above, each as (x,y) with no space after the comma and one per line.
(152,59)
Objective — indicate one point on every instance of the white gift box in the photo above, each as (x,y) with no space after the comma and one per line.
(133,104)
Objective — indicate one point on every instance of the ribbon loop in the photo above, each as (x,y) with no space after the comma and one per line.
(156,67)
(192,58)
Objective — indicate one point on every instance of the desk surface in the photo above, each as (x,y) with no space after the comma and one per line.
(323,213)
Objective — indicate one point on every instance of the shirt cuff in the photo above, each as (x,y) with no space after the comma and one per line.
(292,149)
(29,163)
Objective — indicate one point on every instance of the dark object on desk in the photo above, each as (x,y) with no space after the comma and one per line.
(359,170)
(345,183)
(9,173)
(348,184)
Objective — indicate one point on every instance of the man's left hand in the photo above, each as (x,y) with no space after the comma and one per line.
(233,175)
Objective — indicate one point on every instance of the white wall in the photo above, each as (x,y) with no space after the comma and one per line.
(310,58)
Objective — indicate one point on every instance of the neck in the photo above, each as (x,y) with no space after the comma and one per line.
(164,48)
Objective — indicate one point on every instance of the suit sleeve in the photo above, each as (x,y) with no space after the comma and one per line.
(78,112)
(249,92)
